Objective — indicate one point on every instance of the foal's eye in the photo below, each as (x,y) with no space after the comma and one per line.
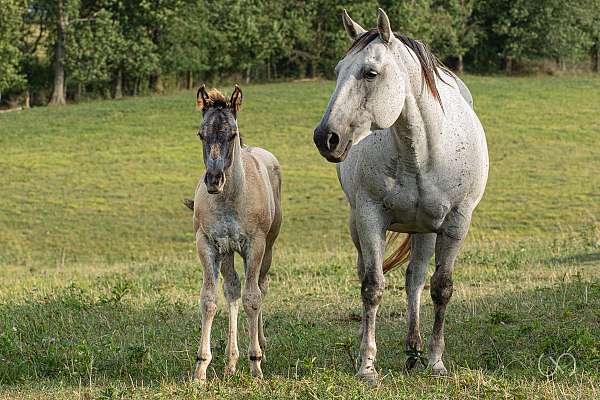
(231,137)
(370,74)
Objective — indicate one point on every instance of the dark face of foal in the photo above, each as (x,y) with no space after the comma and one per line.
(218,132)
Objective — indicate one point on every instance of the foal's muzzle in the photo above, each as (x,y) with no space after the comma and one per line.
(328,143)
(214,181)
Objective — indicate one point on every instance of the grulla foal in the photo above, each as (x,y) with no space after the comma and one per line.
(237,208)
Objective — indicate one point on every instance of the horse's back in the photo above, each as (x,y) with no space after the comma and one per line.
(271,165)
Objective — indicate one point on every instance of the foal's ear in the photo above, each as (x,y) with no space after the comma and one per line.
(353,29)
(236,100)
(202,99)
(383,26)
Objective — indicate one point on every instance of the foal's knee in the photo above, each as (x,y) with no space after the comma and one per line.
(441,286)
(252,301)
(372,288)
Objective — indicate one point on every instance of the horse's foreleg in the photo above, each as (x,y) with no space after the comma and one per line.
(447,244)
(252,299)
(208,307)
(423,246)
(371,229)
(232,291)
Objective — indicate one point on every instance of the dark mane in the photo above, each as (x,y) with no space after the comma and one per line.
(430,65)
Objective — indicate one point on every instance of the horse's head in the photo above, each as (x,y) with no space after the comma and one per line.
(369,92)
(218,132)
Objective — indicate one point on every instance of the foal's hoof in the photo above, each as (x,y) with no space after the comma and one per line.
(370,377)
(255,371)
(229,370)
(438,368)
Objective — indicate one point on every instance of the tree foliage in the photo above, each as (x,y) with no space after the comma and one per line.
(132,46)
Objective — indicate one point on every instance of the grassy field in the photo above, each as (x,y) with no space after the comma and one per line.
(99,280)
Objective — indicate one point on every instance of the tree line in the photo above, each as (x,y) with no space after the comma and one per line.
(54,50)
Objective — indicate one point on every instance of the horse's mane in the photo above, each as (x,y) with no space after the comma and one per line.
(430,64)
(216,99)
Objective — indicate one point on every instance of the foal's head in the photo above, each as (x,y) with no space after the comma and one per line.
(218,133)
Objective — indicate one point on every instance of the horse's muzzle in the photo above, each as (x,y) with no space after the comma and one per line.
(328,143)
(214,181)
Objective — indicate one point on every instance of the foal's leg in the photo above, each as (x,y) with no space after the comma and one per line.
(371,227)
(252,299)
(447,244)
(208,305)
(422,249)
(231,289)
(263,284)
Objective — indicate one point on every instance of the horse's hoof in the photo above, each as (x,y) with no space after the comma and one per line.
(438,368)
(413,364)
(229,370)
(256,372)
(199,379)
(369,377)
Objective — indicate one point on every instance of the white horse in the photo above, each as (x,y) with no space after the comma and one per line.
(416,161)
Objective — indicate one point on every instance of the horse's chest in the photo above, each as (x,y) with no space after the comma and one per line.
(227,235)
(416,205)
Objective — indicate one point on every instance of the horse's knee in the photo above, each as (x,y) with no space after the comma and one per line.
(252,300)
(372,288)
(441,286)
(208,306)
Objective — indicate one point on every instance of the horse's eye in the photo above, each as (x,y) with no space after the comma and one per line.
(371,74)
(232,136)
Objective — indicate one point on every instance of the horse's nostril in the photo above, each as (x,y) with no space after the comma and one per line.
(333,140)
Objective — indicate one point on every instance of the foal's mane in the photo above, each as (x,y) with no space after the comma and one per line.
(216,99)
(430,64)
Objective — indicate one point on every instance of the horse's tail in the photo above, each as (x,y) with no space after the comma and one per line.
(189,203)
(400,255)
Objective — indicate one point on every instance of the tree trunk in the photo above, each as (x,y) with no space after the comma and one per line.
(189,82)
(595,57)
(118,84)
(508,65)
(248,70)
(79,91)
(460,66)
(58,92)
(156,84)
(136,86)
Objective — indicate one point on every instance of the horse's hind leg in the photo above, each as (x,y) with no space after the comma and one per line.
(263,284)
(232,291)
(423,246)
(252,299)
(208,306)
(447,244)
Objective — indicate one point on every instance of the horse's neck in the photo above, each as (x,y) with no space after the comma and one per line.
(417,130)
(235,176)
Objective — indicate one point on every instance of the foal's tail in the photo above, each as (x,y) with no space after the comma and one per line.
(189,203)
(400,255)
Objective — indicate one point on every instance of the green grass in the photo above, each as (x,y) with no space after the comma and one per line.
(100,282)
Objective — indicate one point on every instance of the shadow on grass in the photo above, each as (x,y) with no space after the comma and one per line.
(72,338)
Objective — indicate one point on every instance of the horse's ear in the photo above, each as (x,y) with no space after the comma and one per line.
(353,29)
(383,26)
(202,99)
(236,100)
